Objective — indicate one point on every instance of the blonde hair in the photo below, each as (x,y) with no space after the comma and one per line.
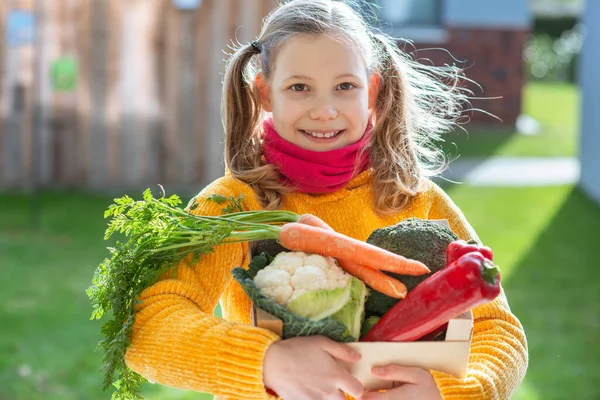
(415,104)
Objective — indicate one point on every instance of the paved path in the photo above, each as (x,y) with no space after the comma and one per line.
(514,171)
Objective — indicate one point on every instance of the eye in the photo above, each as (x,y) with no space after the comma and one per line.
(346,86)
(299,87)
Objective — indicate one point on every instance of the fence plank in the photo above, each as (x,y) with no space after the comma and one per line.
(45,135)
(97,53)
(203,97)
(218,39)
(187,100)
(14,95)
(3,12)
(171,68)
(64,116)
(112,98)
(82,23)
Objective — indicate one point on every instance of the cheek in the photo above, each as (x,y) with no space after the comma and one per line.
(288,110)
(358,111)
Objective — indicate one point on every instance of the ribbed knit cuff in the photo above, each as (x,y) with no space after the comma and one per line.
(452,388)
(238,356)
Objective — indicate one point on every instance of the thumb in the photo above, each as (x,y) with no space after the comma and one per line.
(342,351)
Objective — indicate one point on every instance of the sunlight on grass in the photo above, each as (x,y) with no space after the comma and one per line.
(527,392)
(554,105)
(512,230)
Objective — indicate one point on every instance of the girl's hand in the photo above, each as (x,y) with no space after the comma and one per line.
(305,368)
(409,384)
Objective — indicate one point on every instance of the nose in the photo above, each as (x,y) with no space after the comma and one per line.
(323,110)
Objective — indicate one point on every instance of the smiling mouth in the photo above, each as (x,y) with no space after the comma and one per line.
(322,135)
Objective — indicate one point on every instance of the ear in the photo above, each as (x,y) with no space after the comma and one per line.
(263,91)
(373,89)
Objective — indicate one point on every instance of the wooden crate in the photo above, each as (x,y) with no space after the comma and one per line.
(450,355)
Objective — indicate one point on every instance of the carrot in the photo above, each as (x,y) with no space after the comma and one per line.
(313,220)
(373,278)
(301,237)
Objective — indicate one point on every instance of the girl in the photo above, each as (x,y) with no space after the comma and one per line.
(321,116)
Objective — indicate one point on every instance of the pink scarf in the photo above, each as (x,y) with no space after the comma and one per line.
(312,171)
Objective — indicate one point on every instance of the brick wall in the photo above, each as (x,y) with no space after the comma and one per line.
(494,59)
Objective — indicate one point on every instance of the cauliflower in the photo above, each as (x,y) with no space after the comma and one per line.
(275,284)
(308,286)
(289,261)
(292,274)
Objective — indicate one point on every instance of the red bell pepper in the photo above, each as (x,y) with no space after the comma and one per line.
(460,247)
(470,281)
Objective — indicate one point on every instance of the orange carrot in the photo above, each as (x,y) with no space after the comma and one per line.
(375,279)
(301,237)
(315,221)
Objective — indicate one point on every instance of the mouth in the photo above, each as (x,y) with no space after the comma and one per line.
(322,135)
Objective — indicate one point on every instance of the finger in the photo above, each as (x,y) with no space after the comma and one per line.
(375,395)
(352,386)
(341,351)
(337,396)
(399,373)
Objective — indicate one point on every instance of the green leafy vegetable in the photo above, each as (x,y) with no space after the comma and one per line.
(352,314)
(158,234)
(319,304)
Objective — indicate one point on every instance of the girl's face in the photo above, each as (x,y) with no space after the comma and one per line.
(318,93)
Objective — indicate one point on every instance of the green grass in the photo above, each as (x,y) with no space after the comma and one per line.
(545,242)
(554,105)
(47,342)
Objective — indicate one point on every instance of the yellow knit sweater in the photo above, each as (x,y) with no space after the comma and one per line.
(178,342)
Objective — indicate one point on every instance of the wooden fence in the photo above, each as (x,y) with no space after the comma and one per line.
(146,105)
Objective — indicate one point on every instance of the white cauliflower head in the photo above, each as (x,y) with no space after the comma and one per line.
(292,274)
(275,284)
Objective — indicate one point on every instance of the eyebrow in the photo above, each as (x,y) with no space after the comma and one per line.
(308,78)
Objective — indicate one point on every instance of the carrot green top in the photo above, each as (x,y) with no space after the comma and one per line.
(177,341)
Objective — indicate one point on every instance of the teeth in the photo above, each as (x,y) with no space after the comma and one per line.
(323,135)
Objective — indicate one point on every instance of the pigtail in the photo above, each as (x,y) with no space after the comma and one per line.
(242,115)
(241,110)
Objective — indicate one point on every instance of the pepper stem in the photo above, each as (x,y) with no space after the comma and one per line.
(490,272)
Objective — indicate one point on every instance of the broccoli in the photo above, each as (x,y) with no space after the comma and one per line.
(368,324)
(421,240)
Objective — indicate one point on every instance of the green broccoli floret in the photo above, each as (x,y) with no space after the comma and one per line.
(414,238)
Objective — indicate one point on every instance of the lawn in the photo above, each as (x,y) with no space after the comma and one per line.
(545,243)
(47,341)
(554,105)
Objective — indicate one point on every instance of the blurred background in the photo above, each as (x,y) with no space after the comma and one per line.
(99,98)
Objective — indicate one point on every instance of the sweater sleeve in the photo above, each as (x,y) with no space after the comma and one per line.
(178,342)
(498,355)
